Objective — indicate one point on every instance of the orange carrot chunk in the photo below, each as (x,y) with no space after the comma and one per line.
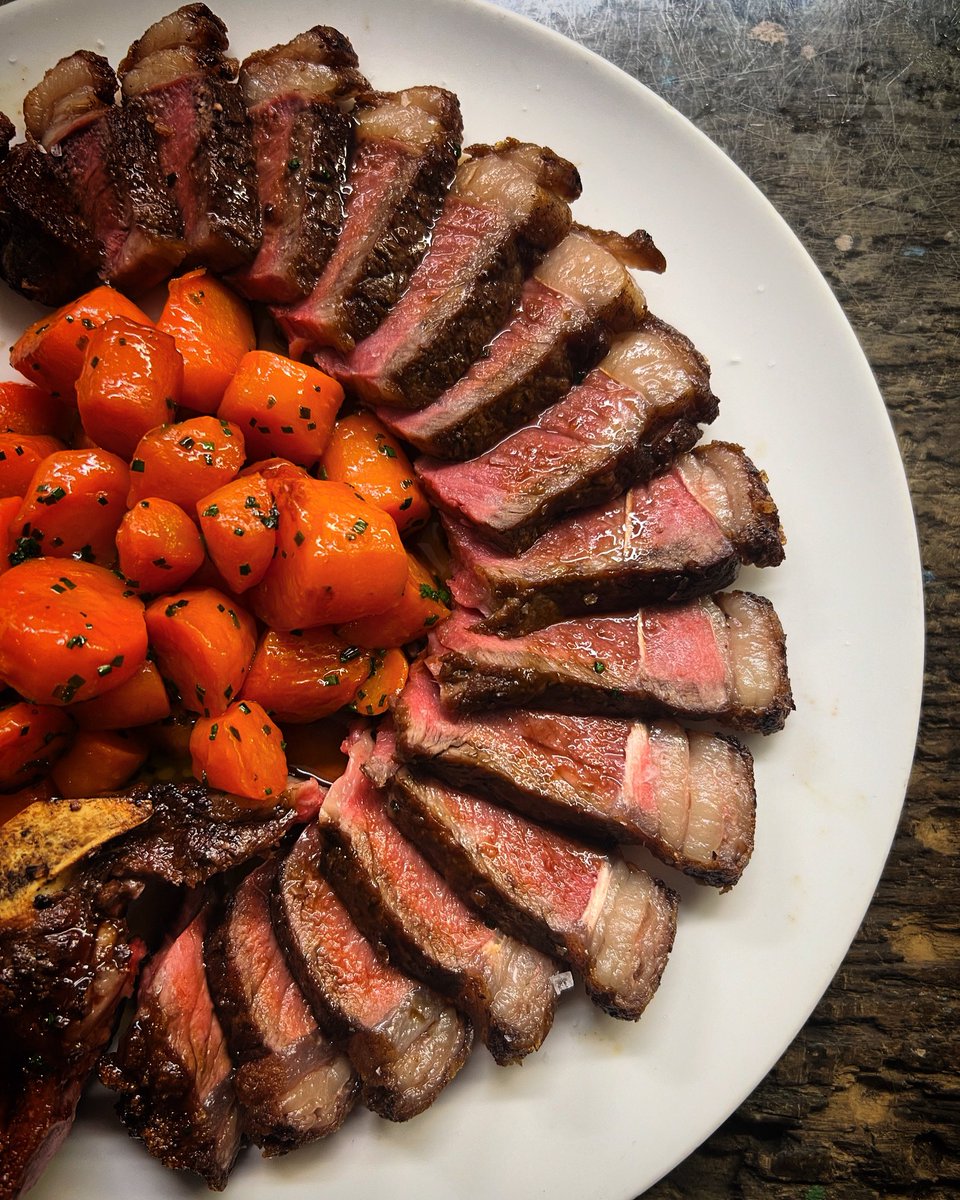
(185,461)
(213,330)
(283,407)
(204,643)
(141,700)
(388,674)
(303,675)
(25,408)
(50,353)
(98,761)
(239,526)
(32,738)
(338,557)
(68,631)
(241,752)
(73,506)
(131,381)
(9,507)
(158,546)
(20,455)
(362,453)
(424,602)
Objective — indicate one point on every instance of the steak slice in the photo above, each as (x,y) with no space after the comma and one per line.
(682,535)
(295,94)
(179,74)
(293,1085)
(508,205)
(604,916)
(107,158)
(627,421)
(576,300)
(404,1041)
(688,797)
(407,145)
(503,986)
(722,658)
(172,1069)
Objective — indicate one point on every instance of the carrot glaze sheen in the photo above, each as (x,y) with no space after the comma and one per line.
(185,461)
(32,738)
(158,546)
(304,674)
(240,752)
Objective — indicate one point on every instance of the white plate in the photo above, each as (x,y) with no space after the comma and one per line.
(606,1108)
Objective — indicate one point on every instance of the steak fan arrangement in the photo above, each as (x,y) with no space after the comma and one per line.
(269,968)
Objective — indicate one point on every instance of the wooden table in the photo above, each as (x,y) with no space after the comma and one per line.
(855,102)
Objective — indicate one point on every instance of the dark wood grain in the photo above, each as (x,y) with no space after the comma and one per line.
(847,115)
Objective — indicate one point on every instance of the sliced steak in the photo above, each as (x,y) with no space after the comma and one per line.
(407,145)
(393,893)
(508,205)
(575,302)
(627,421)
(404,1041)
(293,1085)
(682,535)
(172,1069)
(108,160)
(295,96)
(722,658)
(604,916)
(688,797)
(179,74)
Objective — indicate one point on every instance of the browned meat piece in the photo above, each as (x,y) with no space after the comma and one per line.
(604,916)
(405,1042)
(407,144)
(575,302)
(392,893)
(722,658)
(179,73)
(295,94)
(682,535)
(7,133)
(293,1085)
(688,797)
(172,1069)
(508,205)
(107,159)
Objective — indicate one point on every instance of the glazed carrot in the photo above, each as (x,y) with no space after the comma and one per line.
(388,675)
(32,737)
(239,523)
(363,454)
(241,752)
(131,381)
(9,507)
(25,408)
(158,546)
(68,631)
(204,643)
(304,674)
(213,331)
(73,506)
(20,455)
(99,761)
(50,353)
(274,468)
(424,602)
(142,700)
(283,407)
(184,462)
(338,558)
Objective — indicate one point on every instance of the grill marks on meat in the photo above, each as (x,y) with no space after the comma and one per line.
(107,158)
(682,535)
(404,1041)
(392,892)
(172,1069)
(508,205)
(406,149)
(722,658)
(292,1084)
(577,299)
(607,918)
(628,419)
(179,73)
(301,142)
(687,796)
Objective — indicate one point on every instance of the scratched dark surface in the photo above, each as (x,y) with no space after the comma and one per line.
(855,104)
